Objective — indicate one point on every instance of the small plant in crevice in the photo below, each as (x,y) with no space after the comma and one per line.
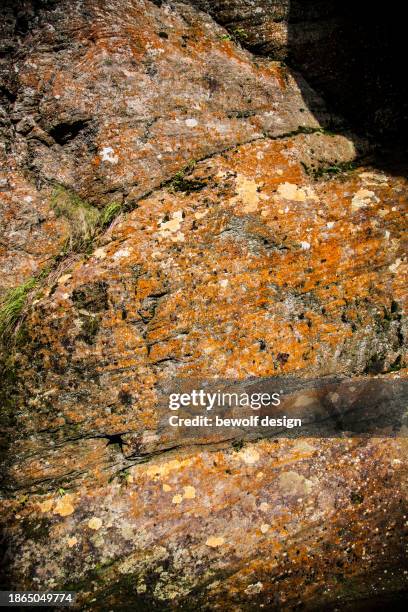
(81,216)
(240,34)
(108,214)
(327,171)
(180,182)
(13,305)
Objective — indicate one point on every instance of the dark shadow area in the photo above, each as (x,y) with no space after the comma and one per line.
(351,53)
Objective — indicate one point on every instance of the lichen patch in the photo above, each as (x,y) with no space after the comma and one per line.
(46,505)
(64,506)
(215,541)
(290,191)
(292,483)
(363,198)
(247,194)
(95,523)
(249,455)
(189,492)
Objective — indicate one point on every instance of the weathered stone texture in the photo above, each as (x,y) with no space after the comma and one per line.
(248,242)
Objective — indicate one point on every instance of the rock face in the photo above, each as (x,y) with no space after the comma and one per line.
(177,207)
(349,51)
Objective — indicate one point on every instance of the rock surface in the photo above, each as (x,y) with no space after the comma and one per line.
(187,213)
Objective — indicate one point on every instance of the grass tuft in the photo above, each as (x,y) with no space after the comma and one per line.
(82,216)
(108,214)
(13,305)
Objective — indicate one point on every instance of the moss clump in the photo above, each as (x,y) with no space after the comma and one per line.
(108,214)
(239,34)
(85,220)
(180,182)
(328,171)
(82,216)
(13,305)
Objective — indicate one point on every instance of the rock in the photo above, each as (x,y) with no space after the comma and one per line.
(186,214)
(344,48)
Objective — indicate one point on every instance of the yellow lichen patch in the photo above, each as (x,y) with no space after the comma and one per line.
(248,195)
(72,541)
(64,506)
(166,488)
(177,499)
(215,541)
(162,470)
(46,505)
(95,523)
(265,527)
(289,191)
(189,492)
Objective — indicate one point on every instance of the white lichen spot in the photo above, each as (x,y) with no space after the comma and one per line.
(223,282)
(363,198)
(394,267)
(265,527)
(100,253)
(200,214)
(72,541)
(215,541)
(122,253)
(253,589)
(95,523)
(108,155)
(191,123)
(330,224)
(177,499)
(189,492)
(305,246)
(264,507)
(249,455)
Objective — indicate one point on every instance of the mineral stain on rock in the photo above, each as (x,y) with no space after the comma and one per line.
(177,202)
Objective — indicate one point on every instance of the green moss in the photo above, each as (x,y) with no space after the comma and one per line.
(13,305)
(108,214)
(328,171)
(180,182)
(82,216)
(240,34)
